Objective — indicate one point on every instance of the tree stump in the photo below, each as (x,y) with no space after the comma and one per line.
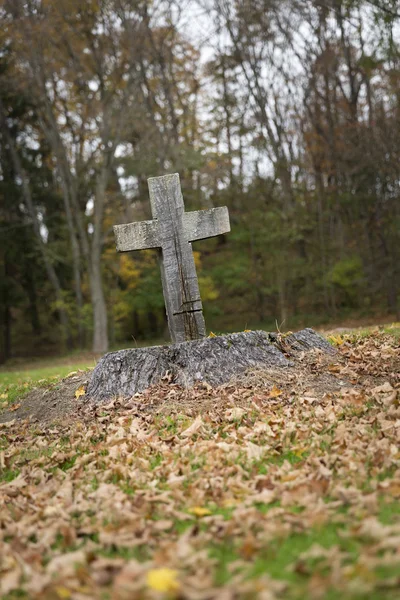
(213,360)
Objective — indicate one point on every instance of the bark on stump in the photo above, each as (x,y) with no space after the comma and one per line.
(215,360)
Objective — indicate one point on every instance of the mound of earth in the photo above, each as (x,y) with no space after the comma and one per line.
(302,362)
(214,360)
(50,403)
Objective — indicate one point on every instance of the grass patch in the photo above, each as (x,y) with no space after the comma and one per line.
(389,512)
(393,329)
(293,458)
(281,558)
(15,384)
(8,475)
(26,377)
(141,553)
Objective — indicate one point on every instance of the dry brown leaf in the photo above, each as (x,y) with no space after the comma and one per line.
(193,428)
(275,392)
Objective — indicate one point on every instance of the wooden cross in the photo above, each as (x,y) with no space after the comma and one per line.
(173,230)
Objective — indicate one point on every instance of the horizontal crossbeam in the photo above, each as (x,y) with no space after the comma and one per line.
(203,224)
(197,225)
(137,236)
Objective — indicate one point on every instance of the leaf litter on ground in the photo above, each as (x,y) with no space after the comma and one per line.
(284,485)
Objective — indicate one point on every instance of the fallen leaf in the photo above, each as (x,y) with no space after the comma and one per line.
(382,389)
(65,564)
(199,511)
(163,580)
(193,428)
(63,592)
(235,413)
(255,452)
(336,339)
(275,392)
(80,392)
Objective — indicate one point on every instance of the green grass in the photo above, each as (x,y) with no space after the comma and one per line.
(18,378)
(389,512)
(34,375)
(7,475)
(281,560)
(393,329)
(359,333)
(15,384)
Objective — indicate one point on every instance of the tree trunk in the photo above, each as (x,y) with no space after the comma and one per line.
(216,361)
(76,262)
(321,234)
(26,194)
(32,296)
(72,211)
(227,115)
(5,343)
(7,329)
(283,309)
(100,329)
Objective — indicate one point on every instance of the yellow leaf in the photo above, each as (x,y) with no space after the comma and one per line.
(63,592)
(299,453)
(69,374)
(199,511)
(4,396)
(247,330)
(163,580)
(229,503)
(212,334)
(275,392)
(80,392)
(337,340)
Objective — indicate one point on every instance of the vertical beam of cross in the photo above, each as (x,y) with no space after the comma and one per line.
(178,271)
(172,230)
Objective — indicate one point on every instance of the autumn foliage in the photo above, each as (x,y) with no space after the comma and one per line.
(285,111)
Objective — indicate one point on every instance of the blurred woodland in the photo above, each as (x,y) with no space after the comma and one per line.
(286,111)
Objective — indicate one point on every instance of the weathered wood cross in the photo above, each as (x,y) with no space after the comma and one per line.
(173,230)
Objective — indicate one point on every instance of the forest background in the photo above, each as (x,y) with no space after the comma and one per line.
(286,111)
